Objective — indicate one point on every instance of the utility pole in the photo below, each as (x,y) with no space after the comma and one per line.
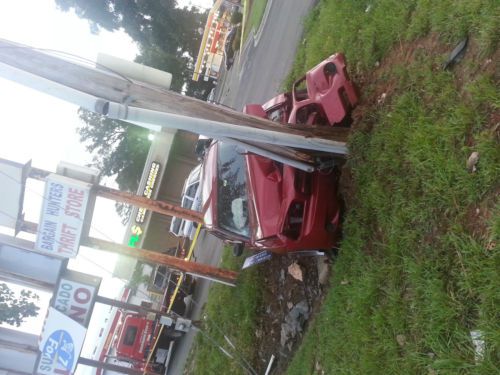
(197,269)
(111,367)
(160,207)
(120,98)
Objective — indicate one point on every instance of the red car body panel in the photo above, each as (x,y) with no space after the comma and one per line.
(273,189)
(327,99)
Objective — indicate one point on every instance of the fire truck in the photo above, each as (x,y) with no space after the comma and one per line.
(141,338)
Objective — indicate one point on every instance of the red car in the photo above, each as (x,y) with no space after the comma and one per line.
(262,204)
(324,96)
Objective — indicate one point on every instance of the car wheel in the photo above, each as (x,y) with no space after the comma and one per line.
(330,69)
(238,249)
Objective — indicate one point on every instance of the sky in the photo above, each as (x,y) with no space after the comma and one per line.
(37,127)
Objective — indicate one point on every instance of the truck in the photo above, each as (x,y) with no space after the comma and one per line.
(137,337)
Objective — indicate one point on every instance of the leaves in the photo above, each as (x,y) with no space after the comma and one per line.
(119,149)
(14,308)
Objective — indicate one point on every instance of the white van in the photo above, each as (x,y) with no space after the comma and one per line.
(190,199)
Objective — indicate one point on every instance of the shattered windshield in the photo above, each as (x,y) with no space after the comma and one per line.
(232,205)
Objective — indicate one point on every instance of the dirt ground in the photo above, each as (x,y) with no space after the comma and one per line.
(282,291)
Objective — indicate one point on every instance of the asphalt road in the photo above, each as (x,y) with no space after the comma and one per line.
(266,57)
(208,250)
(255,77)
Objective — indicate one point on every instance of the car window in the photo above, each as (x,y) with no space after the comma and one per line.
(191,190)
(232,205)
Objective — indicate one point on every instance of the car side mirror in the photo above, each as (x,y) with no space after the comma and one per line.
(238,249)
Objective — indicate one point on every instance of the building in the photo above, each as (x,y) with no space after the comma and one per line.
(211,52)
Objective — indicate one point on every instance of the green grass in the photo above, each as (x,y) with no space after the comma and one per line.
(232,312)
(420,260)
(366,36)
(417,261)
(409,264)
(256,11)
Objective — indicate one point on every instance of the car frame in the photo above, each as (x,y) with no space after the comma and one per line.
(264,204)
(325,95)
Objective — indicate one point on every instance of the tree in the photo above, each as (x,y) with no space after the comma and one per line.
(157,23)
(14,308)
(119,149)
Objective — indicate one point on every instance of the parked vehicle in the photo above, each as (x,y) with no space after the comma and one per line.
(190,199)
(136,338)
(228,48)
(166,280)
(324,96)
(263,204)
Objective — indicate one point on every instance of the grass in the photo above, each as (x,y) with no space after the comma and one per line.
(419,265)
(418,268)
(231,312)
(366,30)
(256,10)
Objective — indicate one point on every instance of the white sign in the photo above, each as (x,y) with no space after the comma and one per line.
(75,295)
(60,345)
(63,214)
(12,179)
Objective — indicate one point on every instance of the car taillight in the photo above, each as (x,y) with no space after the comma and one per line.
(294,220)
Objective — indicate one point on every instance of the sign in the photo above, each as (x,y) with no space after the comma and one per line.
(63,214)
(12,180)
(60,344)
(75,295)
(136,230)
(261,257)
(148,189)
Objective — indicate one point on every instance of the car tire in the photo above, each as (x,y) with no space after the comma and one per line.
(238,249)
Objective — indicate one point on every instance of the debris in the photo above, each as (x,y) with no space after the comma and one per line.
(282,275)
(381,98)
(295,271)
(377,64)
(323,270)
(344,282)
(491,245)
(472,161)
(401,339)
(289,305)
(479,345)
(368,8)
(294,322)
(456,55)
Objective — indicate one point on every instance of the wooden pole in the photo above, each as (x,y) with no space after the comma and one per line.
(111,367)
(197,269)
(160,207)
(131,307)
(113,88)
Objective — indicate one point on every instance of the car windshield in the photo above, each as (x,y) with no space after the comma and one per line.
(232,205)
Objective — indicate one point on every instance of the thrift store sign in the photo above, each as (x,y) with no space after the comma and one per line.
(63,214)
(60,344)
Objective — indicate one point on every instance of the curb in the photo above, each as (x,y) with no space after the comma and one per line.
(257,35)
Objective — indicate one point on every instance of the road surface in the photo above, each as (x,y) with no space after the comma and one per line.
(267,56)
(255,77)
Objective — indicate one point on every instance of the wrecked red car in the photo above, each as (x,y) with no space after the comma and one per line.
(262,204)
(324,96)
